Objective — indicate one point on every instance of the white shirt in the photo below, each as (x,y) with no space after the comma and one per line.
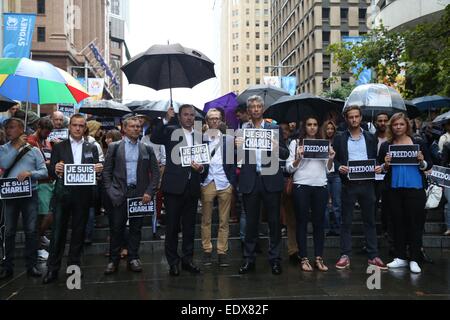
(216,172)
(77,149)
(308,172)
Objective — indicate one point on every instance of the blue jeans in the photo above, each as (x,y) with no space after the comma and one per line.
(29,209)
(334,189)
(447,207)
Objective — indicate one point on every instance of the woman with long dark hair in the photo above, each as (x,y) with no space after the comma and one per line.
(406,186)
(309,192)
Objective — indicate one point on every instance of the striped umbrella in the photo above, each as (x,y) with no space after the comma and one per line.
(38,82)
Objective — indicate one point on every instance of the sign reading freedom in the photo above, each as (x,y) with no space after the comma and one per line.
(11,188)
(137,209)
(198,153)
(405,154)
(258,139)
(361,170)
(440,176)
(316,149)
(79,175)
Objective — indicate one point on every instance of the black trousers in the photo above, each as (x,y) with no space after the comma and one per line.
(408,217)
(180,210)
(75,205)
(118,222)
(252,202)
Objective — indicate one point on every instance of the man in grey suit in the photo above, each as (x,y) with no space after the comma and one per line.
(131,171)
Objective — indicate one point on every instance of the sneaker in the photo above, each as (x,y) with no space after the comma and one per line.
(42,255)
(377,262)
(414,267)
(447,233)
(45,242)
(397,263)
(223,260)
(343,263)
(207,261)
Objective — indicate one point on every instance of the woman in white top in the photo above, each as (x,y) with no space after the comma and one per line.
(309,192)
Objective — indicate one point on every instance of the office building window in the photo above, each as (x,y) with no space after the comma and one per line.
(325,13)
(344,13)
(266,23)
(362,13)
(258,81)
(257,58)
(257,35)
(257,46)
(41,34)
(248,80)
(248,69)
(266,46)
(257,23)
(41,6)
(115,7)
(266,69)
(266,58)
(326,36)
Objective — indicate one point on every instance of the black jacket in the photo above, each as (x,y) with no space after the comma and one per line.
(384,148)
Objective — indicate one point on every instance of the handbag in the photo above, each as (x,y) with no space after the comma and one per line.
(434,195)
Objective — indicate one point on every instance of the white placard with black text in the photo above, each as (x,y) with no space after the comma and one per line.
(79,175)
(198,153)
(258,139)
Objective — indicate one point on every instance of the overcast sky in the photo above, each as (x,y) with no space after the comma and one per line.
(192,23)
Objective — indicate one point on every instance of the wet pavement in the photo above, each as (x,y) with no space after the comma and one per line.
(225,283)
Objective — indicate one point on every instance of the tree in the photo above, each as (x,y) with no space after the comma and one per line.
(341,92)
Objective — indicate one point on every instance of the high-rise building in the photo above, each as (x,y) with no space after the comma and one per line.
(301,32)
(245,44)
(65,30)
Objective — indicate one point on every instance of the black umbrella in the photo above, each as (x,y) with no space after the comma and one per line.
(268,93)
(6,103)
(431,102)
(169,66)
(155,109)
(106,108)
(411,109)
(298,107)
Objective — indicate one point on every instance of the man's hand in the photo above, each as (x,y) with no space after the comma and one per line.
(170,114)
(59,168)
(23,175)
(98,167)
(197,167)
(378,169)
(343,169)
(146,198)
(19,142)
(387,161)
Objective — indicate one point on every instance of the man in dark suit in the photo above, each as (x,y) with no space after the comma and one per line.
(261,179)
(356,144)
(180,185)
(70,200)
(131,171)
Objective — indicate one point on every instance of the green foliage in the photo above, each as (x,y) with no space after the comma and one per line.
(341,92)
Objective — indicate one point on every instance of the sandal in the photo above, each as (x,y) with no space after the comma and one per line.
(320,265)
(305,266)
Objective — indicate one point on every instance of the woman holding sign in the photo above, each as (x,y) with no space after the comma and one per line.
(310,189)
(406,184)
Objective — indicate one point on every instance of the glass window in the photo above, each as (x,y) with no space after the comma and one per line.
(41,34)
(41,6)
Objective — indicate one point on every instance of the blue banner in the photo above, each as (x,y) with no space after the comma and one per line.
(289,84)
(366,75)
(18,34)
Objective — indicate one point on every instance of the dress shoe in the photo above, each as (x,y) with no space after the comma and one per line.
(189,266)
(247,267)
(174,271)
(50,277)
(6,274)
(294,259)
(276,269)
(34,273)
(111,268)
(135,265)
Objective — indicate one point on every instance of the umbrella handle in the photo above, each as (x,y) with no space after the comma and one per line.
(170,82)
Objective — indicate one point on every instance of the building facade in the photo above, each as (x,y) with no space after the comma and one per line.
(301,32)
(245,44)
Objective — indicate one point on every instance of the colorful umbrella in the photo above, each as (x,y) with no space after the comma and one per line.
(38,82)
(228,103)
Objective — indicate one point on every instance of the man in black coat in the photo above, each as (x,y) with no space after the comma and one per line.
(70,201)
(180,185)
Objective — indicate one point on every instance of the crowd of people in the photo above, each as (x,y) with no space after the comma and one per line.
(141,160)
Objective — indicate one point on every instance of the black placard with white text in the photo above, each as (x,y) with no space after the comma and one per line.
(61,134)
(258,139)
(404,154)
(137,209)
(67,109)
(79,175)
(11,188)
(440,176)
(198,153)
(316,149)
(361,169)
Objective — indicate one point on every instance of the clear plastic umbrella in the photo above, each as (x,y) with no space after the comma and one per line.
(374,98)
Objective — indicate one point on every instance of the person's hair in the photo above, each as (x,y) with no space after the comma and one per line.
(325,127)
(45,124)
(381,114)
(14,119)
(256,99)
(241,109)
(114,134)
(208,114)
(183,106)
(394,118)
(2,137)
(132,118)
(302,133)
(350,108)
(77,116)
